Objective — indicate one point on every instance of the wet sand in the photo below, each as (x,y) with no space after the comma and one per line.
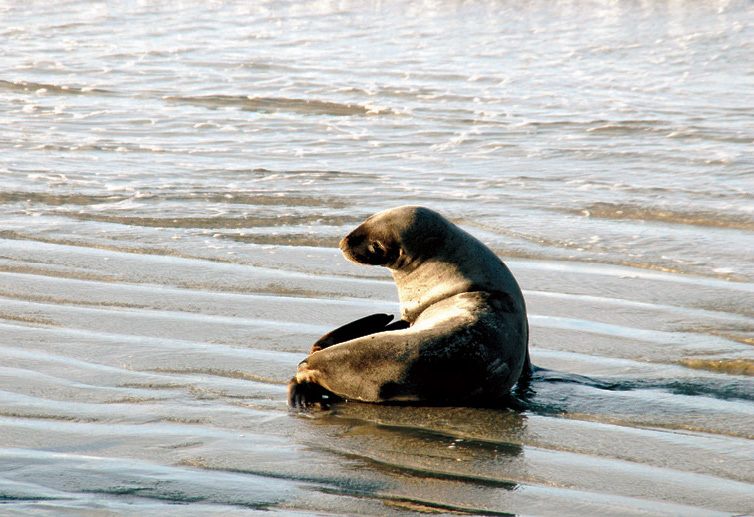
(150,380)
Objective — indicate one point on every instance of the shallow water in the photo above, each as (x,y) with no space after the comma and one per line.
(174,181)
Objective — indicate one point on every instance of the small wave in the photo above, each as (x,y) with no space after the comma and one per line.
(43,416)
(29,86)
(598,125)
(332,479)
(217,372)
(700,218)
(318,174)
(275,104)
(622,127)
(663,337)
(309,240)
(216,222)
(416,504)
(117,477)
(30,319)
(729,366)
(735,337)
(626,270)
(250,198)
(658,127)
(56,199)
(242,198)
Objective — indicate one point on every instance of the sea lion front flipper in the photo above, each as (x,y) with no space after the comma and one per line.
(305,394)
(355,329)
(397,325)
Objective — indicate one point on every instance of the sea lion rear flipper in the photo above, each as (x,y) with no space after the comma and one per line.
(355,329)
(527,372)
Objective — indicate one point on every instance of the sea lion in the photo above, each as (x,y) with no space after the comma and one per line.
(463,336)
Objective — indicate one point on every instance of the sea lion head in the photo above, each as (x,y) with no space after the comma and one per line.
(396,238)
(429,257)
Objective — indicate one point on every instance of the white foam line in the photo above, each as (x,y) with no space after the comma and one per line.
(711,443)
(200,264)
(156,314)
(143,410)
(158,289)
(628,272)
(36,355)
(539,352)
(38,378)
(684,339)
(374,304)
(287,359)
(25,492)
(79,466)
(543,265)
(256,441)
(639,470)
(643,502)
(602,300)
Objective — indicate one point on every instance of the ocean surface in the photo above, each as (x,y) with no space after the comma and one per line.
(175,177)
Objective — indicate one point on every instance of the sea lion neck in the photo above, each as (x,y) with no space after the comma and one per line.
(431,277)
(460,264)
(427,284)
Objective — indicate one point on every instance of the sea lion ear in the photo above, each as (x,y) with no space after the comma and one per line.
(381,253)
(376,248)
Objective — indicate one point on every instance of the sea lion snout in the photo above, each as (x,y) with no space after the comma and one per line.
(351,240)
(348,246)
(368,246)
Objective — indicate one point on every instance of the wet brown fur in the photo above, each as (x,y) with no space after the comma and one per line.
(466,341)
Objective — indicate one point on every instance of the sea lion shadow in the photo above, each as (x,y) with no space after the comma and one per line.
(395,442)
